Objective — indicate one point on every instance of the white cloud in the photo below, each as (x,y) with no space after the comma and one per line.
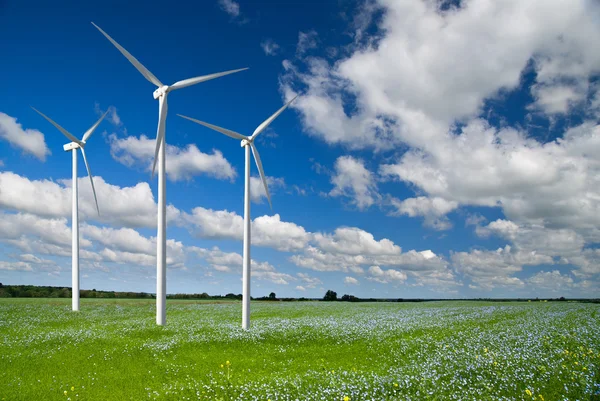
(15,266)
(267,231)
(230,7)
(269,47)
(433,209)
(376,273)
(113,117)
(423,83)
(14,226)
(490,269)
(29,140)
(257,189)
(308,281)
(272,232)
(551,280)
(554,99)
(129,206)
(52,236)
(221,224)
(231,262)
(181,164)
(306,41)
(350,280)
(354,241)
(351,179)
(300,288)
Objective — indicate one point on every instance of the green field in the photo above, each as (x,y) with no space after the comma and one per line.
(112,350)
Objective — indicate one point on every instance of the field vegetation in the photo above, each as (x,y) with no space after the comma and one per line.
(113,350)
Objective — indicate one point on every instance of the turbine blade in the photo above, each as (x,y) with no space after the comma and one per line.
(87,166)
(90,131)
(227,132)
(160,131)
(197,80)
(145,72)
(269,120)
(61,129)
(261,172)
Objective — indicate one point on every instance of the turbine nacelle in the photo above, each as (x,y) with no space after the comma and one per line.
(160,91)
(71,146)
(246,142)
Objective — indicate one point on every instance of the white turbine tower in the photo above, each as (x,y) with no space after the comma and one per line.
(247,142)
(159,155)
(72,147)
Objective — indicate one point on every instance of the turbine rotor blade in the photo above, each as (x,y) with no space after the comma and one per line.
(87,166)
(160,131)
(269,120)
(61,129)
(227,132)
(197,80)
(145,72)
(90,131)
(261,172)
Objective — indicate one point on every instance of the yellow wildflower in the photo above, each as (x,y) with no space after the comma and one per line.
(65,392)
(395,384)
(72,388)
(227,363)
(346,398)
(221,366)
(485,350)
(528,392)
(541,398)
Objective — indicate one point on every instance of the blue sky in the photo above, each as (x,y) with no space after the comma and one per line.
(433,151)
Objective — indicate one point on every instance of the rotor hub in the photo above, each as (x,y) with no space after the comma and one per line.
(245,142)
(160,91)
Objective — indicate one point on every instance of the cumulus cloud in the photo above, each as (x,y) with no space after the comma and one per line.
(434,210)
(352,180)
(257,189)
(490,269)
(181,164)
(551,280)
(406,89)
(354,241)
(376,273)
(129,206)
(15,266)
(350,280)
(351,250)
(231,262)
(267,231)
(28,140)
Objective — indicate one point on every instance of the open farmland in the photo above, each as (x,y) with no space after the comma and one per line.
(113,350)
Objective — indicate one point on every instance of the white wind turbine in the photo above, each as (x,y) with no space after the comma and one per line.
(247,142)
(159,155)
(72,147)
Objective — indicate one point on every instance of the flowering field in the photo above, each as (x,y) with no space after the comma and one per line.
(112,350)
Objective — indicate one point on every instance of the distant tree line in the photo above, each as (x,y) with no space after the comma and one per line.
(33,291)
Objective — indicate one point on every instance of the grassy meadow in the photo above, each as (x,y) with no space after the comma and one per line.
(113,350)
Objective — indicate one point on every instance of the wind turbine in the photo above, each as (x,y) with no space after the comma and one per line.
(247,142)
(72,147)
(159,156)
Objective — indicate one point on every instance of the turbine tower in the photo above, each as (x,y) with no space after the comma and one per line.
(159,157)
(248,143)
(72,147)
